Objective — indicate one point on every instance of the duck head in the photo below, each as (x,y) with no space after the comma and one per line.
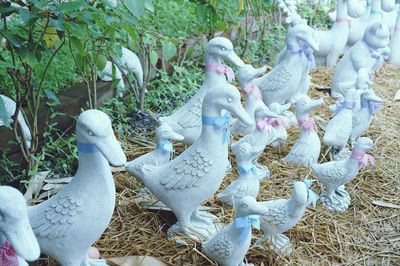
(244,152)
(14,224)
(165,132)
(299,198)
(363,144)
(93,127)
(370,96)
(304,105)
(278,108)
(301,34)
(247,73)
(377,35)
(355,8)
(221,48)
(388,5)
(264,112)
(249,206)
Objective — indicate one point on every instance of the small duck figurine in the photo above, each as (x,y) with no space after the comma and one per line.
(195,175)
(252,94)
(334,175)
(307,148)
(247,183)
(284,120)
(262,135)
(17,241)
(290,77)
(230,245)
(161,155)
(362,118)
(69,222)
(338,130)
(284,214)
(107,75)
(186,121)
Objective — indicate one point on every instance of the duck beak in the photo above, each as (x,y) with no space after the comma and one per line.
(269,113)
(24,241)
(112,151)
(258,72)
(314,104)
(176,136)
(285,107)
(256,150)
(234,59)
(373,97)
(259,209)
(241,114)
(313,44)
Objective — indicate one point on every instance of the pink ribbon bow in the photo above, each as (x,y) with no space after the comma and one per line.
(252,89)
(363,159)
(308,125)
(222,69)
(277,122)
(264,124)
(397,29)
(343,20)
(8,257)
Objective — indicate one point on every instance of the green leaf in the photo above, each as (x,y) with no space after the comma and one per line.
(153,58)
(72,5)
(101,62)
(149,5)
(52,97)
(28,17)
(136,7)
(15,40)
(77,44)
(3,113)
(169,51)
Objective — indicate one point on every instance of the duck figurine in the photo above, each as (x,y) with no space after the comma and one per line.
(357,26)
(307,148)
(186,121)
(284,214)
(334,175)
(107,75)
(230,245)
(248,181)
(369,53)
(195,175)
(247,74)
(17,241)
(394,57)
(10,106)
(161,155)
(338,130)
(362,118)
(291,76)
(281,124)
(69,222)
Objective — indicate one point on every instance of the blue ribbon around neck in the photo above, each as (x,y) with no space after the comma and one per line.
(165,146)
(343,105)
(86,147)
(373,107)
(375,54)
(221,123)
(245,223)
(306,50)
(245,169)
(312,197)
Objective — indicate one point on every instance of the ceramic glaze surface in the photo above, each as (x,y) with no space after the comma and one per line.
(69,223)
(395,43)
(284,120)
(106,75)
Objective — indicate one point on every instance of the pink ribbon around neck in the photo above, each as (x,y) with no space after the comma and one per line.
(252,89)
(308,125)
(264,124)
(222,69)
(277,122)
(397,29)
(8,257)
(343,20)
(363,159)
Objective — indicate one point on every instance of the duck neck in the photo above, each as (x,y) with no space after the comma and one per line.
(92,163)
(246,168)
(295,209)
(376,8)
(163,146)
(341,11)
(213,136)
(212,75)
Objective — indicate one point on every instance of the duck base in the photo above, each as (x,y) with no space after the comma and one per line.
(280,244)
(197,234)
(340,203)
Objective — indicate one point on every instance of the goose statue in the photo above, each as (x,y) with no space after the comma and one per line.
(368,53)
(284,120)
(334,175)
(252,94)
(17,241)
(291,76)
(10,106)
(307,148)
(333,41)
(395,43)
(161,155)
(230,245)
(129,62)
(338,130)
(247,183)
(284,214)
(186,121)
(107,75)
(195,175)
(262,135)
(362,118)
(69,223)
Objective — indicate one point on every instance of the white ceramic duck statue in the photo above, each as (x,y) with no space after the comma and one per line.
(17,241)
(357,26)
(338,130)
(384,11)
(284,214)
(129,62)
(368,53)
(333,41)
(395,43)
(107,75)
(307,148)
(161,155)
(248,181)
(291,76)
(252,94)
(10,106)
(230,245)
(195,175)
(334,175)
(69,223)
(284,120)
(186,121)
(362,118)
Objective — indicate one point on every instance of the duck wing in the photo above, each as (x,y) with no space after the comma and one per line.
(330,171)
(220,247)
(275,80)
(188,171)
(58,218)
(192,118)
(236,189)
(277,213)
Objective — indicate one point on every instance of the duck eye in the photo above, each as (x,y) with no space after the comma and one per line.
(223,48)
(90,133)
(229,99)
(244,205)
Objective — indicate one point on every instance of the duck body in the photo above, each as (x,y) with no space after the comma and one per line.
(106,75)
(129,62)
(245,185)
(395,43)
(357,27)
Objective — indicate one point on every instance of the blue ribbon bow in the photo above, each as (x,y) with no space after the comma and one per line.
(343,105)
(312,197)
(245,169)
(86,147)
(306,50)
(165,146)
(373,107)
(221,123)
(376,55)
(245,223)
